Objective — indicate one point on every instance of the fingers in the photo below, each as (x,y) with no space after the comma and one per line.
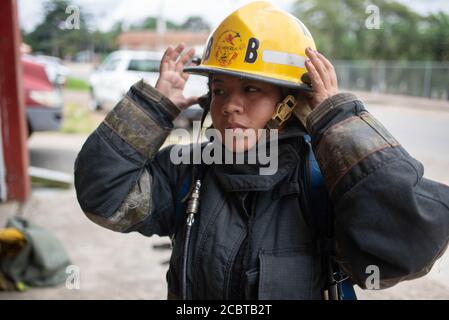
(319,67)
(184,60)
(330,69)
(170,56)
(322,75)
(165,58)
(171,61)
(176,52)
(317,82)
(182,63)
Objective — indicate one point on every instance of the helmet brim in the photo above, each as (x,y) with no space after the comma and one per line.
(205,71)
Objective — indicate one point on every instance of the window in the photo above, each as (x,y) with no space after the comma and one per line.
(144,65)
(111,65)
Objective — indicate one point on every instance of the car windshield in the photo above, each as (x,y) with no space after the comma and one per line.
(144,65)
(111,65)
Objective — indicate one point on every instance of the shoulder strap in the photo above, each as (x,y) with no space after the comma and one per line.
(316,191)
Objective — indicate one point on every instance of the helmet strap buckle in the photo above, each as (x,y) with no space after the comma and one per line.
(284,110)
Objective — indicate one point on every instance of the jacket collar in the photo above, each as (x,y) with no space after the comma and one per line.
(246,177)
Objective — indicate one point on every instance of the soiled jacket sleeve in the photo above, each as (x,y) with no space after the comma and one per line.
(123,182)
(386,214)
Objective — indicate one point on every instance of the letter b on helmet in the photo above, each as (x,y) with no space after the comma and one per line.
(251,50)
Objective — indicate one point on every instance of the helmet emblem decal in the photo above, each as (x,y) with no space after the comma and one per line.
(229,45)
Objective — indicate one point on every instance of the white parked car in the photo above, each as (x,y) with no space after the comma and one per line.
(121,69)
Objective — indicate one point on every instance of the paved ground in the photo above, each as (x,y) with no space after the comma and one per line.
(128,266)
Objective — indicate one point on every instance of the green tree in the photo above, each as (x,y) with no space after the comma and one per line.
(437,36)
(195,23)
(340,31)
(105,42)
(52,35)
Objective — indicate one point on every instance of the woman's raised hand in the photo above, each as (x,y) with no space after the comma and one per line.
(172,79)
(323,77)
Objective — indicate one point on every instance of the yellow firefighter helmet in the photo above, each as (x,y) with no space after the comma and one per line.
(261,42)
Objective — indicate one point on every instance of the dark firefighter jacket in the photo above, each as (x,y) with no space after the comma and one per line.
(386,214)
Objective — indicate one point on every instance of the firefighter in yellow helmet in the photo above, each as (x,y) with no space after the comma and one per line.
(259,43)
(308,230)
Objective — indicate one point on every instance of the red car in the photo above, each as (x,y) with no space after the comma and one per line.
(44,103)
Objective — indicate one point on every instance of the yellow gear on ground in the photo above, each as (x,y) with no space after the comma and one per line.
(11,236)
(261,42)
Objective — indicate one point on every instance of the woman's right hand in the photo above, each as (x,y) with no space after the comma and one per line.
(172,79)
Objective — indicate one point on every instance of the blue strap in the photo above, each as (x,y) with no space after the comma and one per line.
(347,290)
(317,192)
(321,207)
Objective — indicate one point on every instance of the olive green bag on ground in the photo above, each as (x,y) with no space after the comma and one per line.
(39,261)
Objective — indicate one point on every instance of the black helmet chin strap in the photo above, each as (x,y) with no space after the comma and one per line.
(204,102)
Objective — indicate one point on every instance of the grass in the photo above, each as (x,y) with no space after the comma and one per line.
(78,119)
(76,84)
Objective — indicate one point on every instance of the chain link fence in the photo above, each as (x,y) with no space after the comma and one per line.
(419,78)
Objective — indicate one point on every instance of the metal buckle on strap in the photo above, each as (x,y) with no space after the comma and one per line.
(284,110)
(339,277)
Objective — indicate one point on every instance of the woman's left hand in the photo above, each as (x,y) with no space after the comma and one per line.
(323,78)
